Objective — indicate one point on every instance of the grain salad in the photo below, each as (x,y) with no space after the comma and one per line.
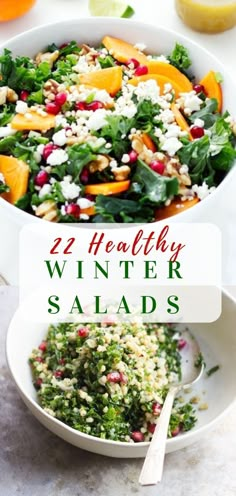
(110,381)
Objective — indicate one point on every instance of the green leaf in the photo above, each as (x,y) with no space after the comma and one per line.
(78,157)
(180,58)
(107,61)
(195,154)
(6,114)
(218,77)
(155,188)
(111,209)
(4,188)
(207,113)
(116,127)
(36,97)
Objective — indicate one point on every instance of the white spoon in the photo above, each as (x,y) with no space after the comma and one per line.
(152,469)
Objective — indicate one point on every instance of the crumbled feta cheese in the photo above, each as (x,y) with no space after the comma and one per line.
(183,169)
(199,123)
(7,131)
(148,90)
(57,157)
(60,121)
(162,58)
(171,146)
(45,190)
(40,149)
(59,138)
(103,96)
(166,116)
(70,191)
(84,217)
(97,120)
(190,101)
(125,158)
(21,107)
(173,131)
(140,46)
(84,203)
(202,191)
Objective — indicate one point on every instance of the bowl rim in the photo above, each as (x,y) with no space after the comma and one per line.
(21,214)
(197,432)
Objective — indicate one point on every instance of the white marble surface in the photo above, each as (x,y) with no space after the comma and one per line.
(34,462)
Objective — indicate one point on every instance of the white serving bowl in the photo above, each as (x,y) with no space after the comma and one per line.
(92,30)
(218,345)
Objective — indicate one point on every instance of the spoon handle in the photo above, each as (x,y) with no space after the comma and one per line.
(153,465)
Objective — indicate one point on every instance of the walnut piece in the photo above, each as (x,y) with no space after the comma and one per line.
(47,211)
(49,57)
(121,173)
(100,164)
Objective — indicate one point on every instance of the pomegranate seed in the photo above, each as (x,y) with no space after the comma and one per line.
(137,436)
(39,359)
(114,377)
(197,132)
(157,166)
(95,105)
(48,149)
(176,431)
(52,108)
(24,95)
(132,156)
(60,99)
(58,373)
(80,106)
(61,361)
(73,209)
(134,63)
(141,70)
(43,346)
(84,176)
(41,178)
(199,88)
(38,383)
(151,428)
(156,408)
(64,45)
(90,197)
(83,333)
(181,343)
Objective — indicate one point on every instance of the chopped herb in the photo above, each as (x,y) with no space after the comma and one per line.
(212,370)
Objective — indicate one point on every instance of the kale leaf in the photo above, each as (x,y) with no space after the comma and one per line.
(180,58)
(156,189)
(112,209)
(207,113)
(117,126)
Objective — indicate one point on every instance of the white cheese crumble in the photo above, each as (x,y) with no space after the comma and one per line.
(45,190)
(171,146)
(190,101)
(148,90)
(202,191)
(60,138)
(70,191)
(140,46)
(7,131)
(21,107)
(199,122)
(97,120)
(57,157)
(84,203)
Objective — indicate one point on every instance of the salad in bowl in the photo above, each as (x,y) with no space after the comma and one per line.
(110,133)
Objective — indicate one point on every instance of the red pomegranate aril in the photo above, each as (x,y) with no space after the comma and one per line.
(134,63)
(141,70)
(197,132)
(157,166)
(114,377)
(38,383)
(132,156)
(61,361)
(199,88)
(73,210)
(58,374)
(52,108)
(84,176)
(41,178)
(39,359)
(43,346)
(24,95)
(137,436)
(151,428)
(90,197)
(156,408)
(181,343)
(80,106)
(176,431)
(64,45)
(60,99)
(83,333)
(95,105)
(48,149)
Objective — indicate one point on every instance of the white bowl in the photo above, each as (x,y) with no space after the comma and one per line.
(92,30)
(218,344)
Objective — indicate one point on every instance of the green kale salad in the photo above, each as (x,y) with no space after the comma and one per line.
(110,133)
(110,380)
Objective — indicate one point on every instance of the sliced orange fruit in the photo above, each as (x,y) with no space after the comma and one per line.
(176,207)
(123,51)
(181,121)
(109,79)
(161,81)
(35,123)
(16,174)
(107,188)
(173,74)
(212,88)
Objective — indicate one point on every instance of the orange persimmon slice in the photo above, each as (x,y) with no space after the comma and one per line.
(107,188)
(161,81)
(212,88)
(123,51)
(16,175)
(109,79)
(88,211)
(176,207)
(173,74)
(181,121)
(148,142)
(35,123)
